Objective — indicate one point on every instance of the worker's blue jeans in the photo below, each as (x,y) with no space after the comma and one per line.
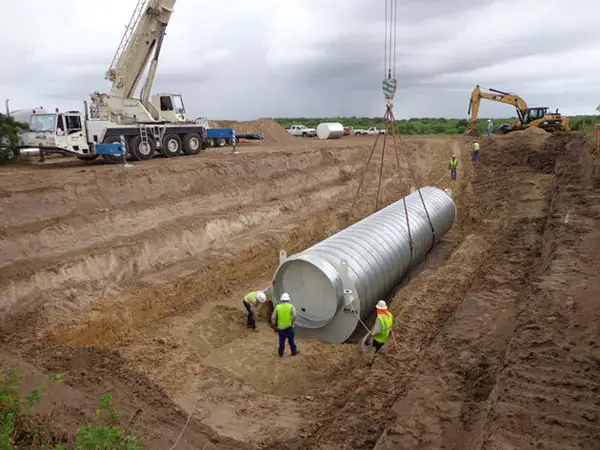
(289,334)
(475,155)
(453,173)
(251,321)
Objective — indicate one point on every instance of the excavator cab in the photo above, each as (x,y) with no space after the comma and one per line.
(532,114)
(541,118)
(170,107)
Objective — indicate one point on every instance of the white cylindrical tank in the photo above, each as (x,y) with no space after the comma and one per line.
(341,278)
(330,130)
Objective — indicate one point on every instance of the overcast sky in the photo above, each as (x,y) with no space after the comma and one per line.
(243,59)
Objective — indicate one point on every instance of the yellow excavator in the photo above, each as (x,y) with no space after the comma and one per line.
(527,117)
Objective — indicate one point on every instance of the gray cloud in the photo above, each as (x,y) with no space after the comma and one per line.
(269,58)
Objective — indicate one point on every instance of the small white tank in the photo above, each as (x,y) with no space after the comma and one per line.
(330,131)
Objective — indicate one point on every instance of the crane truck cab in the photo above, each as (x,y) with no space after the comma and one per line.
(170,107)
(55,131)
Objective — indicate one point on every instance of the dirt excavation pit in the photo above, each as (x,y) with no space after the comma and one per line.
(140,293)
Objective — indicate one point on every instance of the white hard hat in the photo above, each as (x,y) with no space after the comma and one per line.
(285,297)
(489,120)
(261,297)
(381,304)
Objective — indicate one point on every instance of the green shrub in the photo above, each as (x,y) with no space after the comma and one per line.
(17,423)
(109,436)
(21,428)
(9,138)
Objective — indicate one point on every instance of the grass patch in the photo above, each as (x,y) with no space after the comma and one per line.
(21,427)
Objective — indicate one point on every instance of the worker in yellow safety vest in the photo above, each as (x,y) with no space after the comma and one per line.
(284,319)
(475,151)
(382,328)
(452,166)
(251,302)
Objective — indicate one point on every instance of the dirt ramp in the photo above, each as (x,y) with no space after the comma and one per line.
(274,133)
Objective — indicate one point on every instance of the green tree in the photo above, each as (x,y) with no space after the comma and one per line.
(9,137)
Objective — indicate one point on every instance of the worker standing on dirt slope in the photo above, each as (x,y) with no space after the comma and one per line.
(475,151)
(251,302)
(382,329)
(453,165)
(284,319)
(490,128)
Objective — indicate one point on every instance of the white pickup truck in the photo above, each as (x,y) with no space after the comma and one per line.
(301,130)
(374,131)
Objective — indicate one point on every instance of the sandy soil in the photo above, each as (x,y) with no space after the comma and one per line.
(131,279)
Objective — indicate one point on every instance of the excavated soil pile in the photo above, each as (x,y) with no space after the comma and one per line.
(274,133)
(531,131)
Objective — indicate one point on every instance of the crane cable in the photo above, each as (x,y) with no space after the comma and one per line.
(391,17)
(389,89)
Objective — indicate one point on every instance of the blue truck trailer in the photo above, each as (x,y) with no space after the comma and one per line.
(220,137)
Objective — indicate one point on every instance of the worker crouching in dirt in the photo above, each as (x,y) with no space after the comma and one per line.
(251,302)
(284,319)
(382,329)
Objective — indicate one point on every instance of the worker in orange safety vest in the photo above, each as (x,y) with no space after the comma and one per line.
(382,329)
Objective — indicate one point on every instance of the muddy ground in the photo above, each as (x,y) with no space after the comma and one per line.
(131,279)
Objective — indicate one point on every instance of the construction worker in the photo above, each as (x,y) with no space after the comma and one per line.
(382,329)
(284,319)
(490,128)
(251,302)
(453,165)
(475,150)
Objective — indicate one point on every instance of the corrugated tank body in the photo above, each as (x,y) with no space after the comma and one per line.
(347,273)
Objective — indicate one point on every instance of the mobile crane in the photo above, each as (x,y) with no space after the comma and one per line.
(527,117)
(146,124)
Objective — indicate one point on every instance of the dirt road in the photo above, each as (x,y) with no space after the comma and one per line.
(131,279)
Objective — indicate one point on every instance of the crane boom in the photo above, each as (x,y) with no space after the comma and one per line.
(140,43)
(142,36)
